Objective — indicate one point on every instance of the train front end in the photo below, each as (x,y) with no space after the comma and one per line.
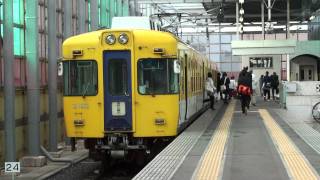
(121,89)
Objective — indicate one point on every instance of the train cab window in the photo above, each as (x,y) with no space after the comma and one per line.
(80,78)
(157,76)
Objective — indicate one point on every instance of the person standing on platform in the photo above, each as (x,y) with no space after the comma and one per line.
(225,81)
(254,89)
(261,84)
(274,84)
(218,85)
(210,88)
(266,86)
(244,89)
(232,87)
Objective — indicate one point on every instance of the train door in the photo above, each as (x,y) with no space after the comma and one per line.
(117,90)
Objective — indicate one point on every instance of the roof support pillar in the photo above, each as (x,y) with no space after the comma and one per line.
(52,75)
(237,18)
(288,68)
(67,19)
(262,19)
(9,89)
(288,20)
(33,79)
(94,14)
(81,16)
(103,13)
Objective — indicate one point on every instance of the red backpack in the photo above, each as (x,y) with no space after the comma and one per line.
(245,90)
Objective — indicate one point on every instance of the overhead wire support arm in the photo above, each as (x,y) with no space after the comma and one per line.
(269,7)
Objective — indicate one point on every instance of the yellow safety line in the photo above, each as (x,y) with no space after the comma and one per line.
(296,164)
(210,164)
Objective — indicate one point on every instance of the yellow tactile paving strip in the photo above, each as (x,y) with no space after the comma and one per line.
(210,165)
(296,164)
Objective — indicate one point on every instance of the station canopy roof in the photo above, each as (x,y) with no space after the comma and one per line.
(205,12)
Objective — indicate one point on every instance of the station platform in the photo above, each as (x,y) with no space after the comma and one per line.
(267,143)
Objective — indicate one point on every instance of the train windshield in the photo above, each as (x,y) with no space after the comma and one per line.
(157,76)
(80,78)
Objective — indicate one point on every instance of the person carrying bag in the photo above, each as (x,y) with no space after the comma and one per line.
(266,86)
(245,89)
(225,86)
(210,89)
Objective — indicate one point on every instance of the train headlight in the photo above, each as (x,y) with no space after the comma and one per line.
(110,39)
(123,38)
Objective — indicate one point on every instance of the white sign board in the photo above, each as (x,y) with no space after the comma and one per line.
(118,108)
(12,167)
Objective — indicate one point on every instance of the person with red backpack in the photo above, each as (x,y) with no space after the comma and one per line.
(245,89)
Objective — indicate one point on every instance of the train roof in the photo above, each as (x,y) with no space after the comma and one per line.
(93,38)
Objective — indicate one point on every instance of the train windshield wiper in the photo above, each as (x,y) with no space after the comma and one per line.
(85,90)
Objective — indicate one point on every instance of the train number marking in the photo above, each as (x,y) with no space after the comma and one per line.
(80,106)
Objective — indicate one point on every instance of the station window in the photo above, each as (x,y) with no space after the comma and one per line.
(18,43)
(156,76)
(18,21)
(261,62)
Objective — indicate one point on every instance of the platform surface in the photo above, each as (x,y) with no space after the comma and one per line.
(268,143)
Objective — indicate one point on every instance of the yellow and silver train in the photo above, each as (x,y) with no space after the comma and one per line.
(126,89)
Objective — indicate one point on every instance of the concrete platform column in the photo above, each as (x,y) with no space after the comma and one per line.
(9,90)
(33,80)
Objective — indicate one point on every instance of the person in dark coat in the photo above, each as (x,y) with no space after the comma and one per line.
(245,89)
(225,81)
(266,86)
(218,85)
(261,84)
(274,84)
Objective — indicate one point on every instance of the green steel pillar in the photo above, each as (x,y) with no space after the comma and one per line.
(108,16)
(125,5)
(112,10)
(9,90)
(33,79)
(103,13)
(120,7)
